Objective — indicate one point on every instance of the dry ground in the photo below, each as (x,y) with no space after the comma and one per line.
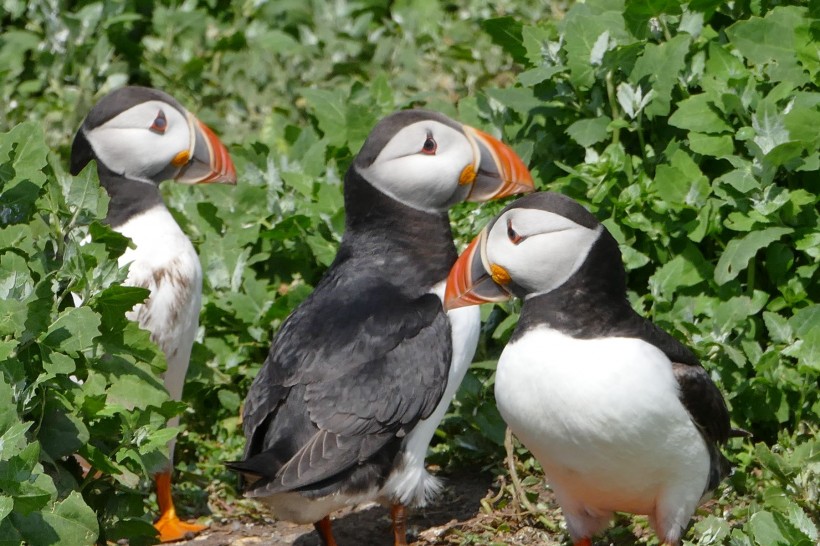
(472,510)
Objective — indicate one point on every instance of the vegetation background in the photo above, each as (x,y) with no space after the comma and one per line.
(691,130)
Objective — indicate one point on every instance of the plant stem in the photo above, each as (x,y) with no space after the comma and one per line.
(613,104)
(520,496)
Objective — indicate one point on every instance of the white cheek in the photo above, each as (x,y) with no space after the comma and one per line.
(138,153)
(422,181)
(544,262)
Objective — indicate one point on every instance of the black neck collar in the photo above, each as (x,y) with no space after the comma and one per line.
(403,240)
(127,197)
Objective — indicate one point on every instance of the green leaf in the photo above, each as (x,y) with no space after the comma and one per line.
(804,323)
(682,182)
(771,41)
(778,327)
(765,530)
(72,331)
(739,251)
(715,146)
(331,114)
(638,13)
(15,280)
(518,99)
(662,65)
(723,64)
(61,433)
(736,310)
(69,521)
(770,126)
(698,114)
(506,32)
(740,179)
(6,504)
(130,388)
(582,27)
(673,275)
(587,132)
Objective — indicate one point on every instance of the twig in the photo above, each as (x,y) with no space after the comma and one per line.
(519,495)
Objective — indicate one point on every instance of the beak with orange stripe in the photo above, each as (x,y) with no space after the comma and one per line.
(474,280)
(496,170)
(206,160)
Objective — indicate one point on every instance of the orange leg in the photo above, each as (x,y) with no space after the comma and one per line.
(323,528)
(398,513)
(170,527)
(583,542)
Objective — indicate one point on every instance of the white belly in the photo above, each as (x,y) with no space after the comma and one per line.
(603,418)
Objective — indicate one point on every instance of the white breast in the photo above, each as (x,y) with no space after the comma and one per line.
(411,484)
(604,419)
(164,261)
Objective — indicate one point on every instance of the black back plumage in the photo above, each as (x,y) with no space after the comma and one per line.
(593,304)
(360,361)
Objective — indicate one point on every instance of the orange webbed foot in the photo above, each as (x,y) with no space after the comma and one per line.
(171,528)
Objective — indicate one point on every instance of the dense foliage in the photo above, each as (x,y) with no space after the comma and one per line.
(691,130)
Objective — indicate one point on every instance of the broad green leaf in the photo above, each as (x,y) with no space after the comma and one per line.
(673,275)
(778,327)
(69,521)
(61,433)
(518,99)
(715,146)
(638,13)
(132,391)
(711,530)
(681,183)
(804,323)
(13,439)
(723,64)
(736,310)
(661,65)
(506,32)
(73,330)
(331,113)
(9,535)
(770,126)
(535,39)
(25,145)
(587,132)
(738,252)
(740,179)
(698,114)
(55,363)
(582,27)
(12,317)
(6,504)
(84,195)
(771,40)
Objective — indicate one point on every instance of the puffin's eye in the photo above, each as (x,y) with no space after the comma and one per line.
(160,123)
(515,238)
(430,146)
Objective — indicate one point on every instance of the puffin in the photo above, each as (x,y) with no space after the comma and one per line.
(620,414)
(139,137)
(361,373)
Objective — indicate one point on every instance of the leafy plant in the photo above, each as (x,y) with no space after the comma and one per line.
(689,129)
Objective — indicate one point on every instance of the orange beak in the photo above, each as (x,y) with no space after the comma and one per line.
(208,161)
(497,170)
(470,281)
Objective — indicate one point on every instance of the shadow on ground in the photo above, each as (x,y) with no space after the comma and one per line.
(459,504)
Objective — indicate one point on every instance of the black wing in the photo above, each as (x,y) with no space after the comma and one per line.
(357,365)
(698,393)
